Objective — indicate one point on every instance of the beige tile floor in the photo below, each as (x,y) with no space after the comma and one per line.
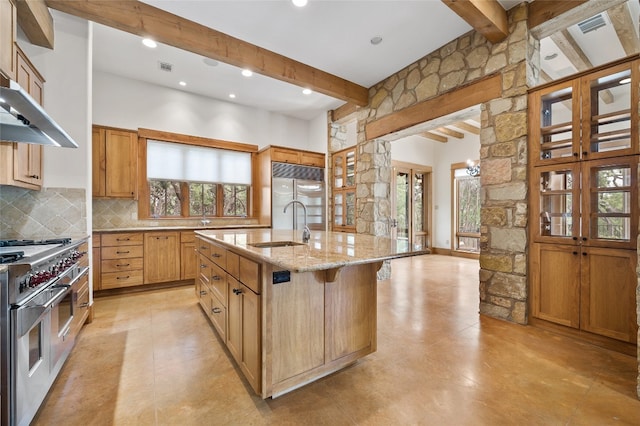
(152,359)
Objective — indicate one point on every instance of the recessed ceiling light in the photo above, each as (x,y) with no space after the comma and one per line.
(149,43)
(210,62)
(307,91)
(551,56)
(376,40)
(232,95)
(182,83)
(625,80)
(299,3)
(247,73)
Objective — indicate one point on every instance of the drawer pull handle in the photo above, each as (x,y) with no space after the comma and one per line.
(216,277)
(202,265)
(84,305)
(123,278)
(237,291)
(216,255)
(122,264)
(34,176)
(202,292)
(162,238)
(216,310)
(123,252)
(122,239)
(203,247)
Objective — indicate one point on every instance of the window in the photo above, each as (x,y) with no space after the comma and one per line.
(466,210)
(194,177)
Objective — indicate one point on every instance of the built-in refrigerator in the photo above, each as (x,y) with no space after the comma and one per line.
(295,182)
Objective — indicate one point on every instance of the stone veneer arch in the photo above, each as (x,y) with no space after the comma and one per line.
(503,139)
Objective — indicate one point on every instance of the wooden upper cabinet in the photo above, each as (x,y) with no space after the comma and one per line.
(114,156)
(343,189)
(589,117)
(8,26)
(294,156)
(22,162)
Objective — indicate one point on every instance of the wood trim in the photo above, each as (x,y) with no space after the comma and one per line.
(541,11)
(441,251)
(147,21)
(480,91)
(343,111)
(36,22)
(487,17)
(414,167)
(195,140)
(143,186)
(623,24)
(465,254)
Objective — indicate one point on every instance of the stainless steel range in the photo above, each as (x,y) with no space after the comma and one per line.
(39,283)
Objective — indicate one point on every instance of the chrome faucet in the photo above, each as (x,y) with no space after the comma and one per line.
(306,234)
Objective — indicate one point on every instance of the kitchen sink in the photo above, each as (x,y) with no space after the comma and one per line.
(271,244)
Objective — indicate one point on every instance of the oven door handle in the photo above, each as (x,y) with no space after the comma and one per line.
(30,315)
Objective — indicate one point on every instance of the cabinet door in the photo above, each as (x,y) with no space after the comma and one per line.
(344,203)
(607,113)
(251,336)
(161,257)
(555,284)
(555,203)
(610,206)
(98,161)
(96,267)
(609,283)
(554,124)
(8,25)
(120,164)
(188,261)
(28,163)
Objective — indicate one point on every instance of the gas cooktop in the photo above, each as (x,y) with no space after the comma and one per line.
(19,243)
(14,250)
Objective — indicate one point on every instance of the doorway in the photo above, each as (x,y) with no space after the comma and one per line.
(410,205)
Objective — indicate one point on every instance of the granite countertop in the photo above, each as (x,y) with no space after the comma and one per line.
(177,228)
(325,250)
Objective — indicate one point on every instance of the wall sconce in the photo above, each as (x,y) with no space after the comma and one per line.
(472,168)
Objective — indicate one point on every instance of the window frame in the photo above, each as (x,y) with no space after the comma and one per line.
(455,233)
(144,212)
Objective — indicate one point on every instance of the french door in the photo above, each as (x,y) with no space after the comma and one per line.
(411,205)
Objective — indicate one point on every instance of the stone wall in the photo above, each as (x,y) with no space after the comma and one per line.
(503,259)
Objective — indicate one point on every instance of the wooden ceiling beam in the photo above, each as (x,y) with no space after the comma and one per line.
(36,21)
(144,20)
(488,17)
(433,136)
(343,111)
(450,132)
(623,24)
(467,127)
(567,45)
(546,16)
(480,91)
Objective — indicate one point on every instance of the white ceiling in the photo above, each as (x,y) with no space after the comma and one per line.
(330,35)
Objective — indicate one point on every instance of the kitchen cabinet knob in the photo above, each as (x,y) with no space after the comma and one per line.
(216,310)
(216,255)
(575,252)
(575,154)
(202,265)
(216,277)
(575,238)
(585,153)
(237,291)
(584,253)
(34,176)
(584,238)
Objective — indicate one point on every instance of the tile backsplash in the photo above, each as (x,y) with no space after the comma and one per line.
(50,213)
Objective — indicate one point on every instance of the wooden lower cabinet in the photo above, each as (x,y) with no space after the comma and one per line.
(589,289)
(188,256)
(121,260)
(161,257)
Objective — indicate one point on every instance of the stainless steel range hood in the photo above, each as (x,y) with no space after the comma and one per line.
(23,120)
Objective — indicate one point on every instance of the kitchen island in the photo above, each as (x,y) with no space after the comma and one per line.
(291,313)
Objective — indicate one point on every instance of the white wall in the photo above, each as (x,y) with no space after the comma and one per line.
(132,104)
(66,70)
(439,156)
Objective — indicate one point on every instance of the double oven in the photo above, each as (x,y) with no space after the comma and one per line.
(44,300)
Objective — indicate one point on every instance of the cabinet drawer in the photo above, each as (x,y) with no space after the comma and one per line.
(204,268)
(126,252)
(218,314)
(219,256)
(218,283)
(119,265)
(250,274)
(203,247)
(121,279)
(233,265)
(122,239)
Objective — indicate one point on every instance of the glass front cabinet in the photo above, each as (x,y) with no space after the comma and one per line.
(343,188)
(583,171)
